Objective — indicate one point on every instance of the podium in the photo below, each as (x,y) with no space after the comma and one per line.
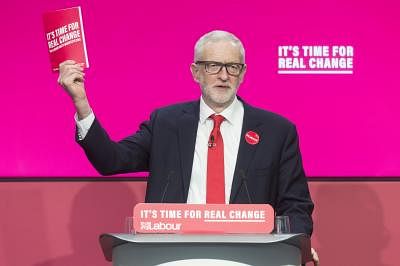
(200,249)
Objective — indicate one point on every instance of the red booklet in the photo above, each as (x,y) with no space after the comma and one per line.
(65,37)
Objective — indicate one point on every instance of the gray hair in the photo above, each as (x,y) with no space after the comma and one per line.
(216,36)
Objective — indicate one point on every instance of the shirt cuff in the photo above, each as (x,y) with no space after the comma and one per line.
(84,124)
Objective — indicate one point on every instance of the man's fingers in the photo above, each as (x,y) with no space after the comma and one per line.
(70,62)
(66,62)
(69,78)
(315,257)
(67,75)
(73,72)
(66,68)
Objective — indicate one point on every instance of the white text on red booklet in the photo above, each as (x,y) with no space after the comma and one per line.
(65,36)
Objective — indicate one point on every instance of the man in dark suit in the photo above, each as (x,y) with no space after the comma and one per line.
(218,143)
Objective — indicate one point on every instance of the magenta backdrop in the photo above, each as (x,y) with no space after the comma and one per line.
(140,52)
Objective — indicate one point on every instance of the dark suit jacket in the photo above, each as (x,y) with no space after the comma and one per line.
(271,170)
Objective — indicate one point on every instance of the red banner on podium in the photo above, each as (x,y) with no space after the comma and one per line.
(203,218)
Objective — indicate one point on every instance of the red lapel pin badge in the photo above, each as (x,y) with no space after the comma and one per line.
(252,137)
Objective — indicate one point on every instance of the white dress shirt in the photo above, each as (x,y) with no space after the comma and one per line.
(84,124)
(231,129)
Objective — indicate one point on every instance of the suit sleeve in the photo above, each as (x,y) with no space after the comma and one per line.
(131,154)
(294,198)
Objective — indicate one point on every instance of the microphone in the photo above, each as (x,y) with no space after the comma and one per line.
(166,185)
(244,183)
(211,142)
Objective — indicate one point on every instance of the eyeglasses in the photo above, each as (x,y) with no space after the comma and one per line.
(213,68)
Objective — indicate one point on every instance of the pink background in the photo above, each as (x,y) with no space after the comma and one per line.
(140,51)
(58,223)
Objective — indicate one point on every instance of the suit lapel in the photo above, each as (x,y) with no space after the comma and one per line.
(246,151)
(187,132)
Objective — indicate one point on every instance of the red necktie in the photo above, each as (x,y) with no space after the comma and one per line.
(215,164)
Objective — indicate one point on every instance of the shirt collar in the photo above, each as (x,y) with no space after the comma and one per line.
(231,113)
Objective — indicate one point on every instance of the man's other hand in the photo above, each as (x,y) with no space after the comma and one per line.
(315,257)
